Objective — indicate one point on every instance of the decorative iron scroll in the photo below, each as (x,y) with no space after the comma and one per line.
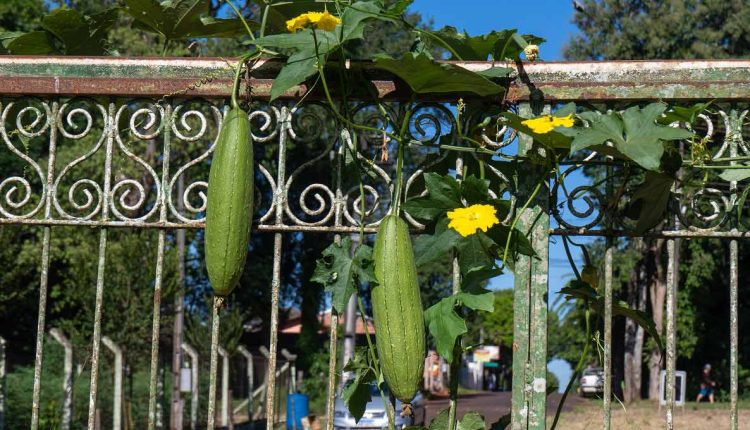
(143,163)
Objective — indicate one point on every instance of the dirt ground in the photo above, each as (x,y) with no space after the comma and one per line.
(646,416)
(585,414)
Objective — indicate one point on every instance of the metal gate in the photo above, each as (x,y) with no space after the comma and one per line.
(175,102)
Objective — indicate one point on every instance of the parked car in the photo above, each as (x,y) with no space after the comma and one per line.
(591,382)
(375,416)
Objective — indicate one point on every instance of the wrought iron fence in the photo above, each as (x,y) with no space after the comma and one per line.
(114,105)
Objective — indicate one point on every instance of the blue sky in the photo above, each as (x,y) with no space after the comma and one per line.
(550,19)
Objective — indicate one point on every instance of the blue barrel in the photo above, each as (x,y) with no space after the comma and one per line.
(297,407)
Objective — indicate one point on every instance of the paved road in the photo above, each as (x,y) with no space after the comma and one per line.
(493,405)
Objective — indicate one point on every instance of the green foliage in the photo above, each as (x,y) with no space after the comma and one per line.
(64,31)
(425,75)
(446,325)
(634,132)
(341,273)
(582,290)
(181,19)
(356,392)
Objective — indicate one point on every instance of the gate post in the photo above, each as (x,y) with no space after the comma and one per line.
(67,410)
(224,386)
(530,302)
(250,376)
(117,397)
(193,354)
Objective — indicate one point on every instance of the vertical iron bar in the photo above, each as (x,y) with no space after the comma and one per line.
(44,276)
(608,255)
(96,341)
(177,410)
(530,306)
(607,335)
(456,363)
(733,331)
(671,335)
(333,330)
(158,276)
(217,303)
(736,137)
(279,201)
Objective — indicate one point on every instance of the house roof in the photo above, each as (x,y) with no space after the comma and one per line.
(293,325)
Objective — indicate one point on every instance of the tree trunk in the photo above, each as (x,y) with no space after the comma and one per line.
(634,334)
(658,290)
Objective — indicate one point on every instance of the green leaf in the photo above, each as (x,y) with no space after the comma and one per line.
(479,302)
(81,35)
(497,72)
(432,247)
(735,175)
(469,48)
(683,114)
(650,200)
(475,251)
(340,273)
(440,422)
(510,44)
(300,41)
(32,43)
(399,7)
(356,16)
(475,280)
(445,326)
(519,243)
(182,19)
(475,190)
(582,290)
(471,421)
(444,194)
(356,392)
(424,75)
(502,423)
(299,67)
(634,132)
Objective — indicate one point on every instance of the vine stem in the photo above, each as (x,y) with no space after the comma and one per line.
(578,368)
(455,368)
(517,218)
(242,18)
(388,405)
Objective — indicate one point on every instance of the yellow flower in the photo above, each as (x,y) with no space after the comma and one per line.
(326,21)
(531,52)
(466,221)
(322,20)
(545,124)
(298,23)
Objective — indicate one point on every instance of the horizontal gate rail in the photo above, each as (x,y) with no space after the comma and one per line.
(176,105)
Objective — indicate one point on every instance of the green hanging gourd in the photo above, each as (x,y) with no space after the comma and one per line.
(397,309)
(229,208)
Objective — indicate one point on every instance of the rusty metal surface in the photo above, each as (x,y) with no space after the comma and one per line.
(211,77)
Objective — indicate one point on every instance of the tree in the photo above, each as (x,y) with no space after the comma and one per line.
(650,29)
(660,29)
